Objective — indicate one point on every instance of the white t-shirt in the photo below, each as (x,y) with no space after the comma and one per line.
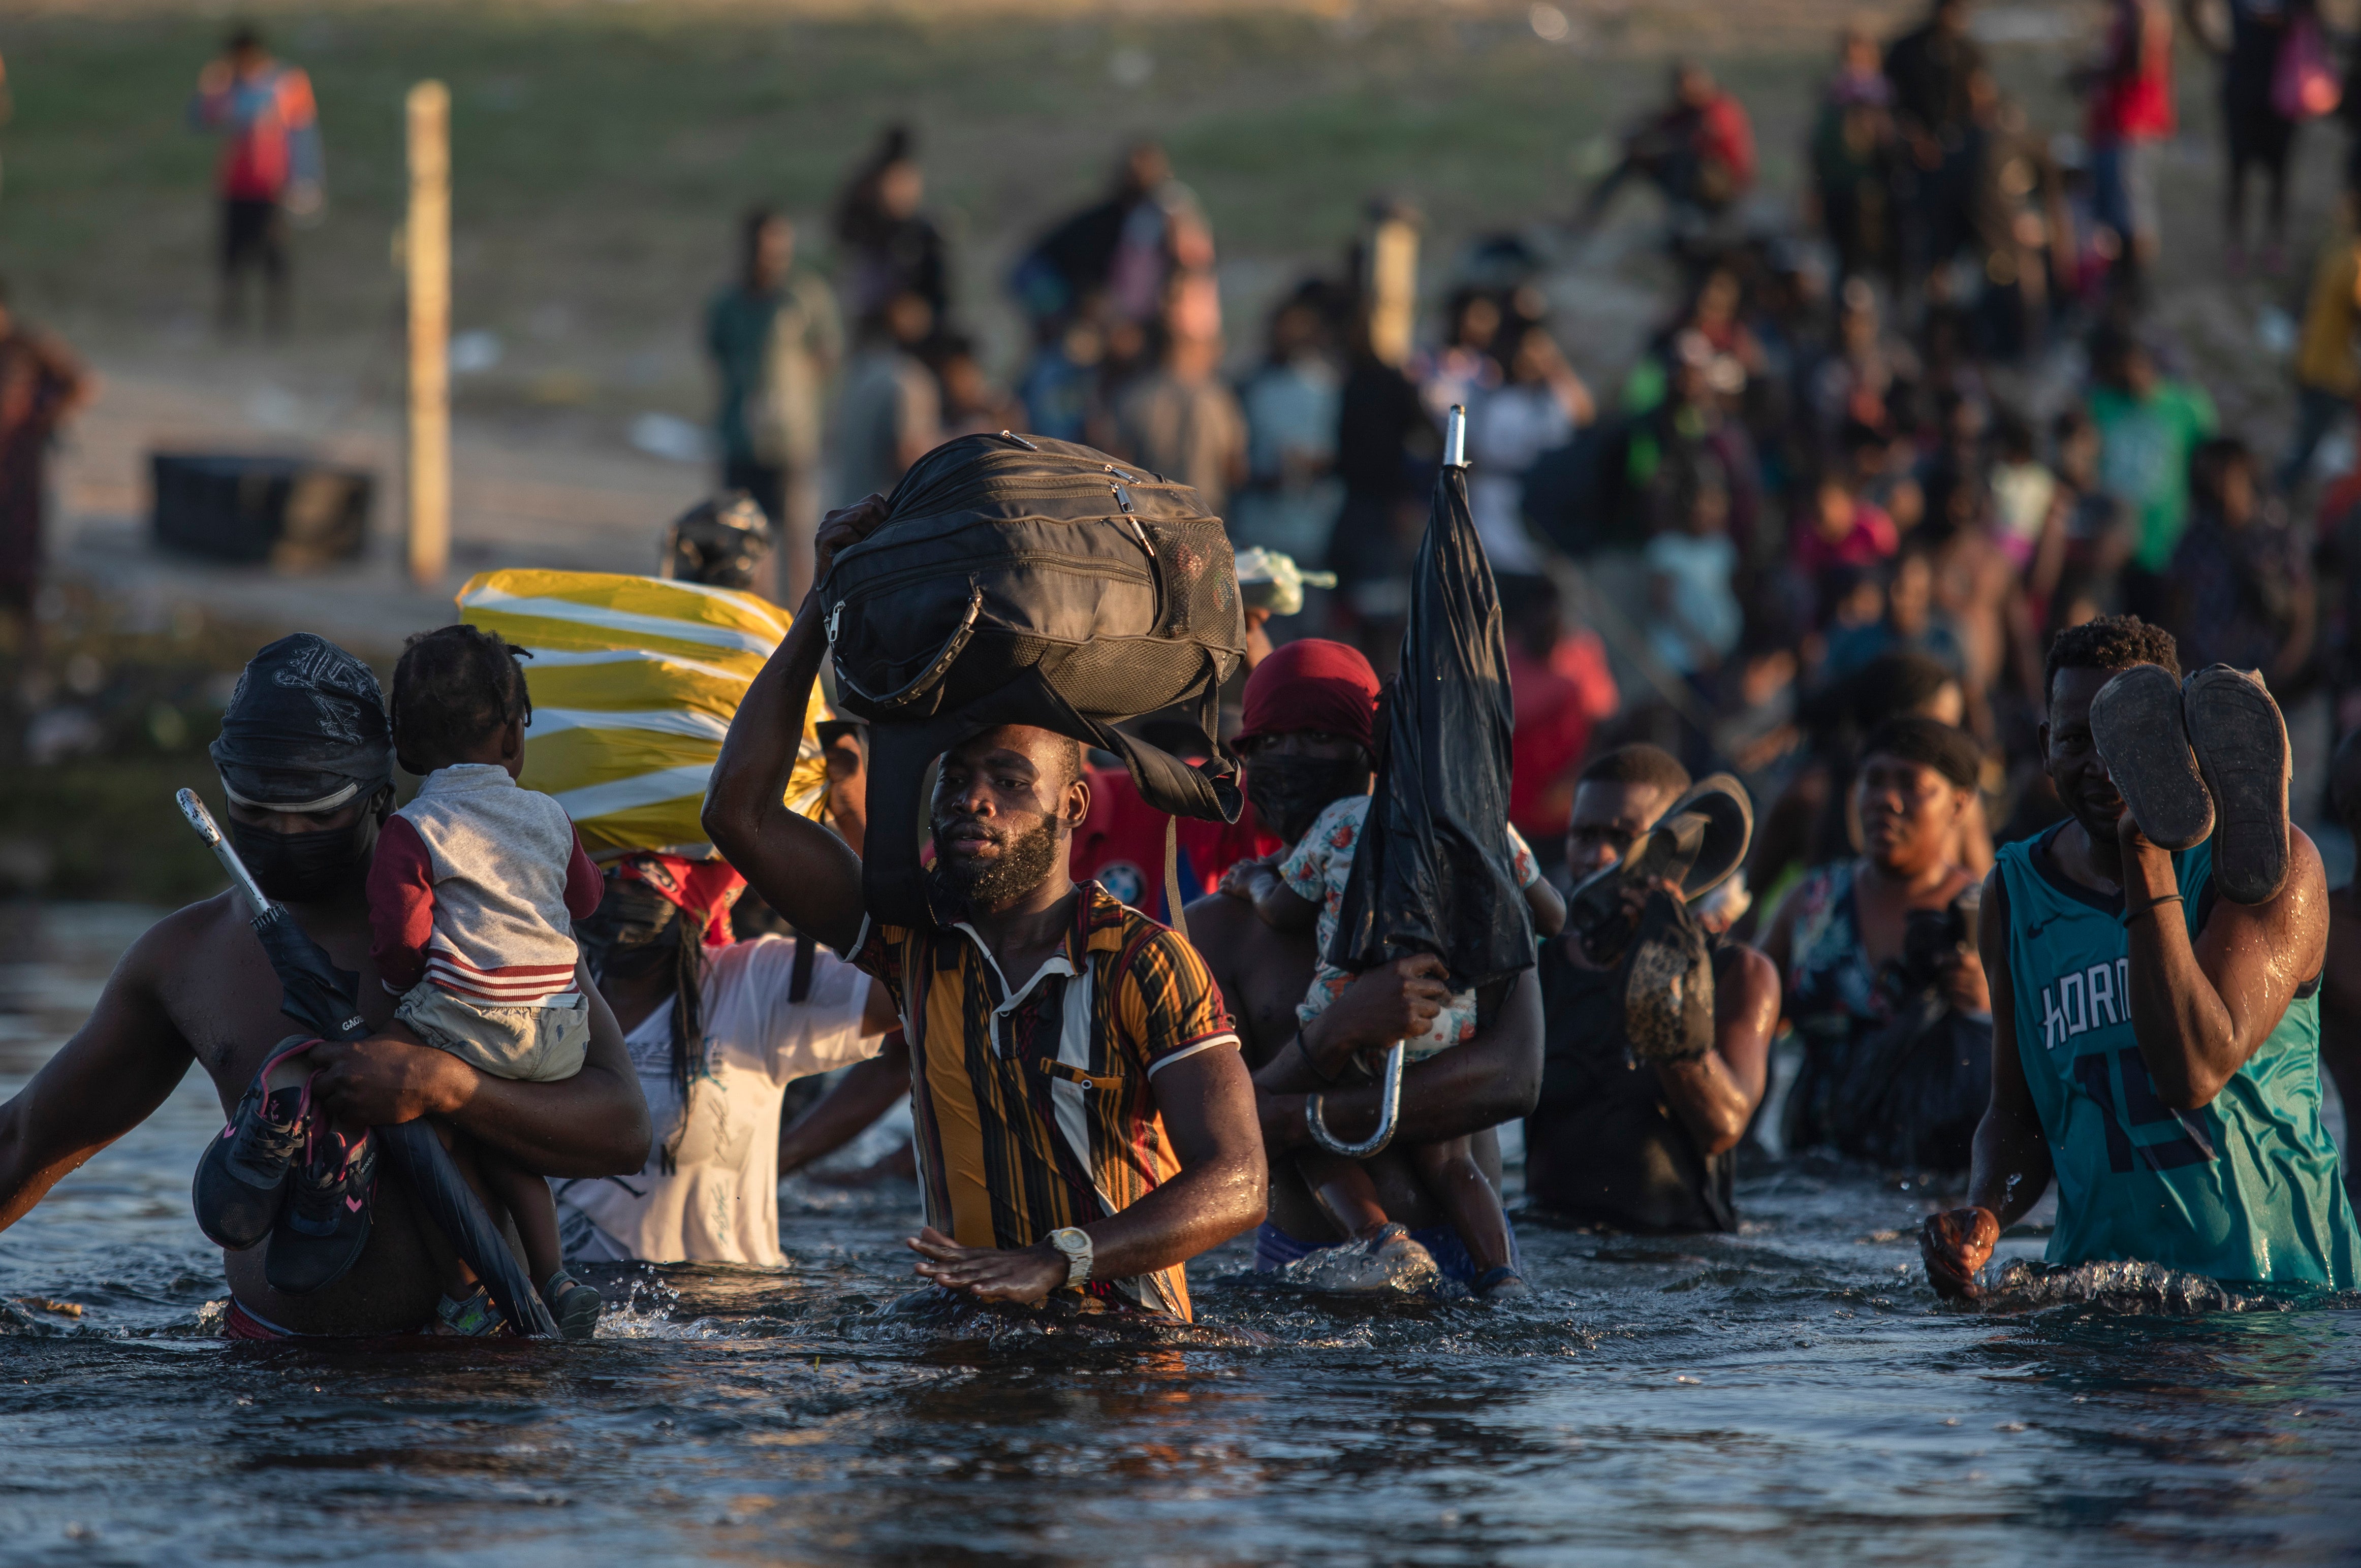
(1509,428)
(721,1204)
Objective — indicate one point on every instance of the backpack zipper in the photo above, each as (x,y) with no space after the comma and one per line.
(1062,485)
(1032,558)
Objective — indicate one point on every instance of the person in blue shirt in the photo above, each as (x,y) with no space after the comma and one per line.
(2155,1013)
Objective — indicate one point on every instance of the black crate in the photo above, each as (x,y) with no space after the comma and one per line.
(287,511)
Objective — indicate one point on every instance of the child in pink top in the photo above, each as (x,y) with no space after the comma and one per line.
(1842,530)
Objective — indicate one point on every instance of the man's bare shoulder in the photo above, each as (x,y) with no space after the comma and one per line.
(2303,898)
(1748,970)
(1219,926)
(181,936)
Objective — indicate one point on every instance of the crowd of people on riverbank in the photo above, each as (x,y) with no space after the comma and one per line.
(1901,559)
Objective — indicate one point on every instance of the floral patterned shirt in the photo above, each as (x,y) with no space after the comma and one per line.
(1318,868)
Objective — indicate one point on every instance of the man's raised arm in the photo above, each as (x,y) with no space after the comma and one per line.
(801,869)
(2200,1009)
(120,1065)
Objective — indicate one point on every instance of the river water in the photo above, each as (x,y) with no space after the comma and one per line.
(1792,1394)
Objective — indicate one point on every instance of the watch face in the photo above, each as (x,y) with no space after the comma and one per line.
(1077,1248)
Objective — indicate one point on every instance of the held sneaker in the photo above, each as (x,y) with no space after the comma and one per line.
(326,1221)
(2142,734)
(2242,748)
(575,1305)
(243,1177)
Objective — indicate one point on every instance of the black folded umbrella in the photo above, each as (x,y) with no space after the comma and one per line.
(325,999)
(1431,872)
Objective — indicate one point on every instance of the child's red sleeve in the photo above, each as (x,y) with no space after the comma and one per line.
(402,905)
(584,886)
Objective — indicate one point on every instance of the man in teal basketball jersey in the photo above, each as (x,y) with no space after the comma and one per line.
(2155,1011)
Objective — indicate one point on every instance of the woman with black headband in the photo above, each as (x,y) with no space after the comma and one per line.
(1839,938)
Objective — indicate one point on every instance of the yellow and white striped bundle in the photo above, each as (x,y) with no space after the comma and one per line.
(635,681)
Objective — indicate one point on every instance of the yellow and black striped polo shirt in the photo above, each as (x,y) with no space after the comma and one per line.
(1034,1107)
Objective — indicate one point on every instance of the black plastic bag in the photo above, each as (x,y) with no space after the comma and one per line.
(1916,1091)
(1431,870)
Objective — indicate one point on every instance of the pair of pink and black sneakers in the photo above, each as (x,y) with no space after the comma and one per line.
(278,1171)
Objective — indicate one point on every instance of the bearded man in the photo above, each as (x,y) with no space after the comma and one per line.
(1085,1124)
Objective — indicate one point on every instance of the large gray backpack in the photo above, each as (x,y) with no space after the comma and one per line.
(1021,580)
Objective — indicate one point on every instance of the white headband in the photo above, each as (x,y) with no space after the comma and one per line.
(299,807)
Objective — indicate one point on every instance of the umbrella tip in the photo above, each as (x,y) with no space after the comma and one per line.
(1454,437)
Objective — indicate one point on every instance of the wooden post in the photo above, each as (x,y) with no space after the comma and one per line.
(1392,283)
(426,261)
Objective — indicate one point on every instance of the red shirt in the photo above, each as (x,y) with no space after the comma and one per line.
(1726,135)
(273,133)
(2134,101)
(1558,701)
(1121,845)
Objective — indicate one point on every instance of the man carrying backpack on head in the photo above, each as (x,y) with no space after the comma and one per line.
(1084,1122)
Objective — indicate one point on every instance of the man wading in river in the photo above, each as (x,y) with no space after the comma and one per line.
(2156,1014)
(1617,1139)
(307,762)
(1084,1124)
(1309,739)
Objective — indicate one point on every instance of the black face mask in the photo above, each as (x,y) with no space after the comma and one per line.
(1288,792)
(301,867)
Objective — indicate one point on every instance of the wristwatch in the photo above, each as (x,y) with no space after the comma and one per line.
(1076,1246)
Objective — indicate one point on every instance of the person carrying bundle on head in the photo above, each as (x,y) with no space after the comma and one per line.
(1084,1124)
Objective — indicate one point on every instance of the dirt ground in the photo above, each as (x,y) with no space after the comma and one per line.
(602,149)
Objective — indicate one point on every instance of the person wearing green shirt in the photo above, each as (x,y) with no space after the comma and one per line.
(776,340)
(2155,1040)
(2149,426)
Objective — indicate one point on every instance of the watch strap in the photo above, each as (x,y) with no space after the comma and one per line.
(1075,1243)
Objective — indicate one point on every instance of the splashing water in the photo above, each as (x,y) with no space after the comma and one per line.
(1792,1393)
(2117,1287)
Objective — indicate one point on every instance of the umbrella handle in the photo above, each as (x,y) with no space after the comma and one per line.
(1388,1106)
(240,878)
(1454,437)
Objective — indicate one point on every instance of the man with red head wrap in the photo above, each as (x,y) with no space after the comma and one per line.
(1309,688)
(1310,738)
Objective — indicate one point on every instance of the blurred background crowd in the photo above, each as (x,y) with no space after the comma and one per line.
(1880,458)
(1884,443)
